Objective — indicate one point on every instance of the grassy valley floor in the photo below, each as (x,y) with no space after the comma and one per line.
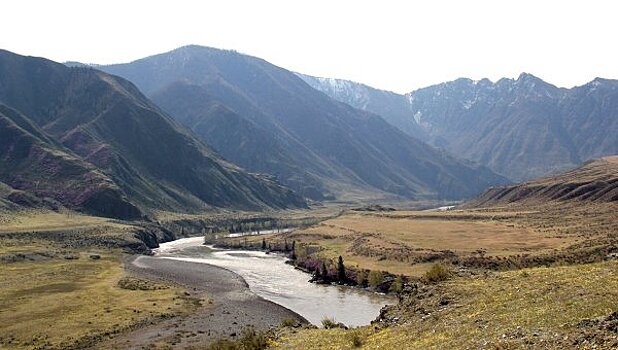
(56,292)
(69,281)
(409,242)
(542,276)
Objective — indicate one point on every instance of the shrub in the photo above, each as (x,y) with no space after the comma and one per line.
(361,278)
(290,322)
(375,278)
(224,344)
(437,273)
(328,322)
(357,338)
(397,285)
(249,340)
(252,340)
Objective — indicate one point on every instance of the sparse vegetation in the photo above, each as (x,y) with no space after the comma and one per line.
(250,339)
(132,283)
(555,308)
(357,338)
(330,323)
(375,278)
(437,273)
(63,303)
(409,243)
(397,285)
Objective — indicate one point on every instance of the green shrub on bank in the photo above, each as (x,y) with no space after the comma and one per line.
(437,273)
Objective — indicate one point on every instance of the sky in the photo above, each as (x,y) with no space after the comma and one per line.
(392,45)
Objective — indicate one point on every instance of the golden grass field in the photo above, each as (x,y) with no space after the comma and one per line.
(529,308)
(57,302)
(541,307)
(62,302)
(33,220)
(400,241)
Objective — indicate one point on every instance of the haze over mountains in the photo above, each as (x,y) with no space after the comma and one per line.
(90,141)
(266,119)
(520,128)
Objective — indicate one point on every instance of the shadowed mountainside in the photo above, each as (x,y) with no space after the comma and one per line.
(92,141)
(318,146)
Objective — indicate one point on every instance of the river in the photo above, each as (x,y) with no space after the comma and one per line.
(271,278)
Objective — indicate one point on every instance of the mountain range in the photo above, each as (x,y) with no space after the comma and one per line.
(268,120)
(86,140)
(520,128)
(200,128)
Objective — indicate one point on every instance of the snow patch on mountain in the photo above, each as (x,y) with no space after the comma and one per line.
(342,90)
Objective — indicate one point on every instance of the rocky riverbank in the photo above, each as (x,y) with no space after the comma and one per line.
(232,307)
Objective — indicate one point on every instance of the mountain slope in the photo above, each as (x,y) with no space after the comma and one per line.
(513,126)
(521,128)
(394,108)
(43,171)
(339,148)
(112,129)
(263,148)
(595,181)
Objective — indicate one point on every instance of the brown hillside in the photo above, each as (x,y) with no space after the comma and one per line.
(595,181)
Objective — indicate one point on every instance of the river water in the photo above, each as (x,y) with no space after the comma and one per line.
(269,277)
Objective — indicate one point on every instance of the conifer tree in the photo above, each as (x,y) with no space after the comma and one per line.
(341,270)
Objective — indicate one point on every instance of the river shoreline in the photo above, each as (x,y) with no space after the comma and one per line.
(272,278)
(234,306)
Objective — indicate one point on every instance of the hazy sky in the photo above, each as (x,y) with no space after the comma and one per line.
(394,45)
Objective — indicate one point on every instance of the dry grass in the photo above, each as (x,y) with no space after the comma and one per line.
(526,308)
(34,220)
(53,294)
(405,242)
(323,211)
(461,236)
(62,302)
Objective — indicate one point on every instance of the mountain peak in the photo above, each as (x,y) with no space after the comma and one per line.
(195,49)
(602,81)
(526,76)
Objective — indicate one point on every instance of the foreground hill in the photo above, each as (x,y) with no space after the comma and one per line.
(87,140)
(595,181)
(521,128)
(266,118)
